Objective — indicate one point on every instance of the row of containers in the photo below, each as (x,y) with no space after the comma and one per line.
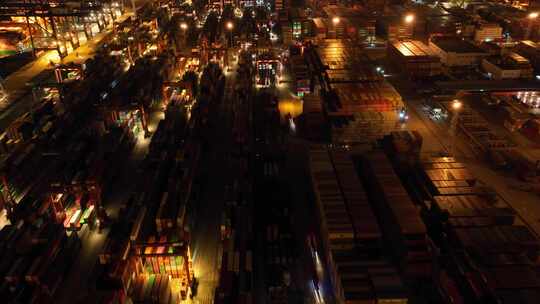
(35,260)
(487,253)
(235,263)
(367,262)
(152,262)
(280,252)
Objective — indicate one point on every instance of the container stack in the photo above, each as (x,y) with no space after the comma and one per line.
(403,146)
(446,176)
(19,174)
(151,243)
(366,97)
(357,99)
(280,248)
(36,142)
(236,268)
(490,249)
(350,233)
(160,234)
(35,260)
(152,288)
(364,127)
(336,56)
(366,228)
(399,218)
(118,266)
(313,117)
(480,136)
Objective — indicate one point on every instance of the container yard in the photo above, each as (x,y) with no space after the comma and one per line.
(148,156)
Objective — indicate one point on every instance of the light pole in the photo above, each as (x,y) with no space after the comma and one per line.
(134,8)
(184,28)
(532,16)
(230,27)
(335,21)
(409,20)
(456,108)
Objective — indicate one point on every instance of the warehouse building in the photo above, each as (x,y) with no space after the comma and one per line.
(455,52)
(531,51)
(393,28)
(511,66)
(487,32)
(415,58)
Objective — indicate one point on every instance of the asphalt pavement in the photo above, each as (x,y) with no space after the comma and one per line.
(217,173)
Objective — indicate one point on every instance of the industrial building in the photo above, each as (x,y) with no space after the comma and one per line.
(455,52)
(394,28)
(488,32)
(531,51)
(510,66)
(415,58)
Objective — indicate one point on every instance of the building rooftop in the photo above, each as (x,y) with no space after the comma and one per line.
(515,57)
(319,23)
(456,45)
(529,43)
(334,10)
(413,48)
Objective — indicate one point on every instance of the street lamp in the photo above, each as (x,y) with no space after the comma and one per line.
(183,26)
(456,105)
(532,16)
(336,20)
(456,108)
(409,18)
(230,27)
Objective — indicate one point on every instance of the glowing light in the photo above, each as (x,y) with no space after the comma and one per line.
(533,15)
(456,105)
(409,18)
(230,25)
(336,20)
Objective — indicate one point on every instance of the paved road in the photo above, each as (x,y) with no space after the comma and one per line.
(217,172)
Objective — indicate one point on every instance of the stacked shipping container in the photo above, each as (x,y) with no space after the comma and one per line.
(35,260)
(350,234)
(236,268)
(400,219)
(492,250)
(357,99)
